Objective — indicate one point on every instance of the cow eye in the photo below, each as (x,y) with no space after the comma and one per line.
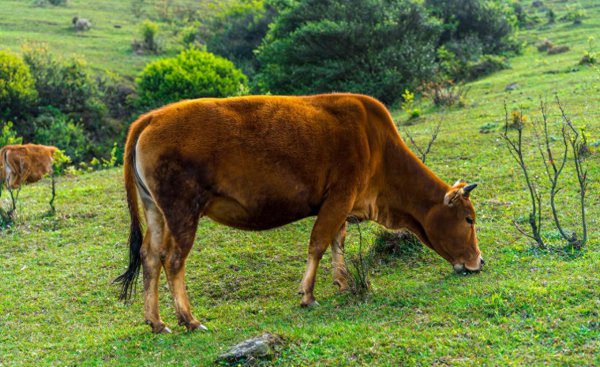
(470,220)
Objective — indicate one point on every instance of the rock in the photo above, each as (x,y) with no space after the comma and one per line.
(511,86)
(263,346)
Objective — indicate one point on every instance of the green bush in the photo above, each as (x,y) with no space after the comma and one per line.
(67,85)
(17,89)
(55,128)
(376,47)
(476,27)
(192,74)
(8,135)
(486,65)
(237,31)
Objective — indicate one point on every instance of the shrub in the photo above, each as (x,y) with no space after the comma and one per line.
(118,94)
(68,85)
(470,25)
(17,91)
(149,43)
(589,56)
(237,31)
(402,244)
(375,47)
(486,65)
(558,49)
(575,13)
(445,93)
(9,136)
(54,128)
(192,74)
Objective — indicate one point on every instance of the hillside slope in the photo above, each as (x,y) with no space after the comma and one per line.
(527,308)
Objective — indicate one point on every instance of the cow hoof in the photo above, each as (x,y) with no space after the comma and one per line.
(196,326)
(310,304)
(159,328)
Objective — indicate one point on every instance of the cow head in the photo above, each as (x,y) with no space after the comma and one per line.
(450,228)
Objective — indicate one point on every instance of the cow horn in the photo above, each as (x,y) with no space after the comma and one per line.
(456,183)
(467,189)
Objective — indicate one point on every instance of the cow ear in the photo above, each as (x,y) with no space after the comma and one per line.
(450,197)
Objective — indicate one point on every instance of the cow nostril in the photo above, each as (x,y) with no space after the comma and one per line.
(482,262)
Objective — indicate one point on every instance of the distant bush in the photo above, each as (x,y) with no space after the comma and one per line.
(68,85)
(192,74)
(558,49)
(376,47)
(486,65)
(237,31)
(118,94)
(17,88)
(55,128)
(590,56)
(475,27)
(575,13)
(149,43)
(445,93)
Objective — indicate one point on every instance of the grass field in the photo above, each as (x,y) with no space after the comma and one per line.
(527,308)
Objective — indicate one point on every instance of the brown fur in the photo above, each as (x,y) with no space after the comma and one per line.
(264,161)
(25,163)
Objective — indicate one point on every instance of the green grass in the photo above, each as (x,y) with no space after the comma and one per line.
(107,46)
(528,307)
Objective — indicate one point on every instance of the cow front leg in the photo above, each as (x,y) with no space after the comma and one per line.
(330,220)
(340,273)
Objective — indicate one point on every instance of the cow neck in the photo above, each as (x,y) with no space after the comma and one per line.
(411,189)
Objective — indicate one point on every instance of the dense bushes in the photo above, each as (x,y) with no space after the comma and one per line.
(381,47)
(237,31)
(192,74)
(375,47)
(17,89)
(68,85)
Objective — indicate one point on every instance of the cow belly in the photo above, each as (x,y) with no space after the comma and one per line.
(258,215)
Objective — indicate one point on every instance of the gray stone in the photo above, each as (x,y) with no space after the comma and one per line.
(263,346)
(511,86)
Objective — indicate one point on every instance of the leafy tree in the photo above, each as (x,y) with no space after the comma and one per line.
(191,74)
(238,30)
(67,85)
(377,47)
(476,27)
(17,91)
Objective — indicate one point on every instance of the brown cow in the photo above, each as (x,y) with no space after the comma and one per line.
(264,161)
(25,163)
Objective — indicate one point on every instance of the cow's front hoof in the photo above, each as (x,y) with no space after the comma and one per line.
(158,328)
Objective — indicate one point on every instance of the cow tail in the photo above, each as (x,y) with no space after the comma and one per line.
(129,277)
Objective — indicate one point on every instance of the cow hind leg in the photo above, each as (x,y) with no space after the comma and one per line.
(154,244)
(174,264)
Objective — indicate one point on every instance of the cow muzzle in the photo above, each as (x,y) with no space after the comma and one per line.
(464,270)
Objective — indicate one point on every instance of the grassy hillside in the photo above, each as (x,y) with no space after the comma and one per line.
(107,46)
(527,308)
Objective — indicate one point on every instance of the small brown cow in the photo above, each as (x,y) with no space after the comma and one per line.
(25,163)
(261,162)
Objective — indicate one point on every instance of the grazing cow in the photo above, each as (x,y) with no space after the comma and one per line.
(261,162)
(25,163)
